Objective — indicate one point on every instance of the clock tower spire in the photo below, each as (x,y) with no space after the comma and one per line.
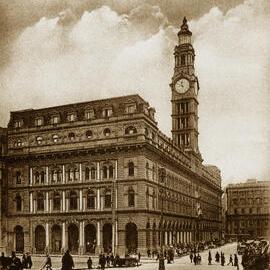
(184,88)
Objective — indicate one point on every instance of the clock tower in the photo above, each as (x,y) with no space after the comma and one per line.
(184,89)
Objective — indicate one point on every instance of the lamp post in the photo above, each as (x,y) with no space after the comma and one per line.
(162,176)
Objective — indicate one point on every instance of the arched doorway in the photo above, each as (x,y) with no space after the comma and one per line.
(40,239)
(56,238)
(19,239)
(107,237)
(131,237)
(90,238)
(73,238)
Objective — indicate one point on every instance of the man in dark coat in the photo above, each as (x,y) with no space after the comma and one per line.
(67,261)
(15,262)
(29,262)
(102,261)
(3,261)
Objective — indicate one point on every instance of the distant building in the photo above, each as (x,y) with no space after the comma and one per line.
(3,183)
(87,176)
(248,208)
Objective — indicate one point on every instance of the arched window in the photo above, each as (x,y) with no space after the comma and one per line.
(104,172)
(71,136)
(146,132)
(18,200)
(56,201)
(110,171)
(18,177)
(130,168)
(93,173)
(153,172)
(91,199)
(147,197)
(107,199)
(87,173)
(54,176)
(153,199)
(131,197)
(39,140)
(37,175)
(73,200)
(107,132)
(130,130)
(89,134)
(42,177)
(147,170)
(40,202)
(55,138)
(183,60)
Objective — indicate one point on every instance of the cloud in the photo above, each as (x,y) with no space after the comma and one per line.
(102,54)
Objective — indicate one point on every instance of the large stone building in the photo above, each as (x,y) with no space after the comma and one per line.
(88,176)
(248,209)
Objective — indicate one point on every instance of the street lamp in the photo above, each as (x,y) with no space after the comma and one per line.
(162,176)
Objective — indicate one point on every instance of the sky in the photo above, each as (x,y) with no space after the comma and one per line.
(58,52)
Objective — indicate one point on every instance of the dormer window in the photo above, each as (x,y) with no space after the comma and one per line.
(39,121)
(130,108)
(71,117)
(89,134)
(55,138)
(55,119)
(89,114)
(107,112)
(107,132)
(71,136)
(39,140)
(18,123)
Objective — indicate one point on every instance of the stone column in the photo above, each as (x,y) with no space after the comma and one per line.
(81,238)
(98,238)
(47,237)
(80,174)
(47,202)
(98,199)
(47,175)
(31,202)
(98,171)
(63,174)
(63,201)
(63,236)
(80,200)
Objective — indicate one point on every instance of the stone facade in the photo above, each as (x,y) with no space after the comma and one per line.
(248,207)
(87,177)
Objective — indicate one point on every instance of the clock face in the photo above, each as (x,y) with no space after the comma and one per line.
(182,85)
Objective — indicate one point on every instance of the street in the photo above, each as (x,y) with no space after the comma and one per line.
(184,262)
(151,264)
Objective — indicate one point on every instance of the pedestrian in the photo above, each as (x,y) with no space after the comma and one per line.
(15,262)
(236,261)
(67,261)
(89,263)
(3,261)
(222,259)
(139,256)
(48,263)
(108,260)
(230,260)
(24,261)
(217,257)
(209,258)
(195,259)
(199,258)
(191,257)
(29,262)
(148,253)
(102,261)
